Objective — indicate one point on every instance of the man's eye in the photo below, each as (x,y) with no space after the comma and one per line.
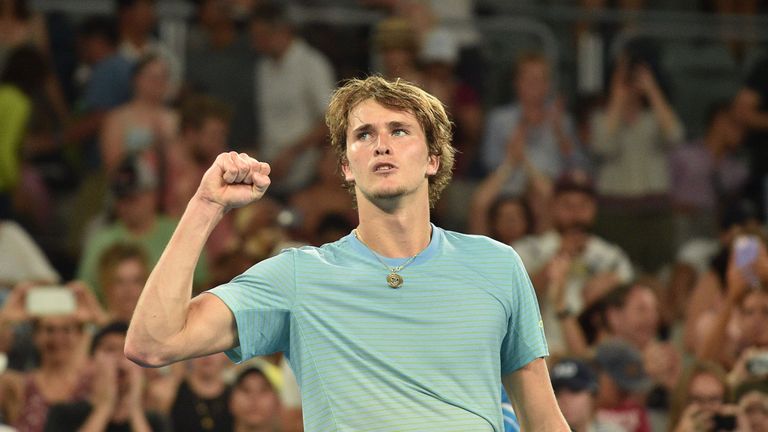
(399,132)
(363,135)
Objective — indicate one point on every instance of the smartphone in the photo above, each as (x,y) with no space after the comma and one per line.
(758,364)
(50,300)
(746,249)
(724,422)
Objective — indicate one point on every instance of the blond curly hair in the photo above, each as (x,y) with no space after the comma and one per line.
(398,95)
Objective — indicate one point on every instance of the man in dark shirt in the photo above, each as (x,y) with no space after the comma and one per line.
(751,106)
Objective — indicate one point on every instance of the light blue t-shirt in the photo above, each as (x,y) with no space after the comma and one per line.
(427,356)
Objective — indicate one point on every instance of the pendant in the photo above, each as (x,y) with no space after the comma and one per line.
(394,280)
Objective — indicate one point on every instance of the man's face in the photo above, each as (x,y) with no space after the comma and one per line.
(577,406)
(532,82)
(212,139)
(125,287)
(262,36)
(753,318)
(253,402)
(574,211)
(707,392)
(387,156)
(136,209)
(637,322)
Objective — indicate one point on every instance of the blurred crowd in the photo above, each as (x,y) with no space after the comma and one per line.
(645,239)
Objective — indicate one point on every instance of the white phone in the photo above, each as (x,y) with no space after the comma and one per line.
(50,300)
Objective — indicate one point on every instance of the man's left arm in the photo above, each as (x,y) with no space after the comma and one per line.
(531,393)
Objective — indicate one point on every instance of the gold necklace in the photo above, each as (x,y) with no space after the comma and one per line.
(394,280)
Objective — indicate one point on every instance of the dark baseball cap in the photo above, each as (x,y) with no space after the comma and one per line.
(573,374)
(624,364)
(133,175)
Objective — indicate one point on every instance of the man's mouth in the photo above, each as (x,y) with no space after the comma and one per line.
(384,168)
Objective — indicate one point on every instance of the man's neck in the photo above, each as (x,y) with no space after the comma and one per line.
(398,232)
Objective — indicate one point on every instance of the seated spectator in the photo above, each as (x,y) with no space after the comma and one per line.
(622,383)
(255,402)
(123,270)
(575,385)
(61,344)
(538,126)
(135,188)
(569,266)
(752,399)
(508,219)
(701,393)
(323,197)
(116,397)
(741,320)
(632,137)
(144,126)
(706,175)
(195,396)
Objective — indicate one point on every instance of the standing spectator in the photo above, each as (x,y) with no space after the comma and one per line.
(116,399)
(218,62)
(137,220)
(707,175)
(540,125)
(293,86)
(570,267)
(136,20)
(22,78)
(107,83)
(633,136)
(143,126)
(751,107)
(255,401)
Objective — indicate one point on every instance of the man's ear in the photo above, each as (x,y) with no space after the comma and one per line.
(348,176)
(433,165)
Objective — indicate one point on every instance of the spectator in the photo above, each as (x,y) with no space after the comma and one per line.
(622,381)
(538,125)
(396,44)
(59,340)
(255,402)
(752,399)
(507,219)
(702,392)
(22,78)
(707,175)
(218,62)
(143,126)
(106,86)
(569,266)
(575,385)
(115,402)
(293,87)
(741,321)
(751,106)
(323,197)
(632,137)
(123,269)
(135,187)
(439,55)
(195,400)
(136,20)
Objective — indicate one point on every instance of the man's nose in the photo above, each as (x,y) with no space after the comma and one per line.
(382,145)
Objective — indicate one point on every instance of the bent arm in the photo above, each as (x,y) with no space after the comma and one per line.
(167,325)
(531,393)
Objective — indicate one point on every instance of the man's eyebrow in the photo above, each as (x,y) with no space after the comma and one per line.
(363,128)
(398,124)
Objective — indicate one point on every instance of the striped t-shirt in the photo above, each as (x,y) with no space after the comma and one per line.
(427,356)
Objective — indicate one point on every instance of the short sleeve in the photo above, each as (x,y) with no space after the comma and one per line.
(261,301)
(524,341)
